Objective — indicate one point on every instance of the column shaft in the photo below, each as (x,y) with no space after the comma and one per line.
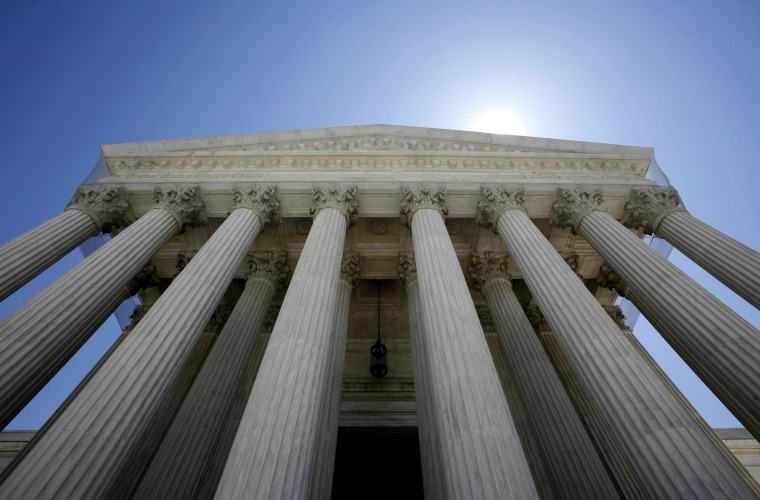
(39,337)
(179,468)
(668,451)
(572,462)
(275,449)
(722,348)
(480,449)
(83,451)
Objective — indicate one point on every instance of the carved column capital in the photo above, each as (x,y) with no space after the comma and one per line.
(423,197)
(146,278)
(617,316)
(574,204)
(343,199)
(271,318)
(219,318)
(487,266)
(649,205)
(494,201)
(407,269)
(183,202)
(105,205)
(183,259)
(263,201)
(609,279)
(137,314)
(486,320)
(269,266)
(537,319)
(350,269)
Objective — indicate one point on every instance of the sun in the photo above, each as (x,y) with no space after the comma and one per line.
(499,121)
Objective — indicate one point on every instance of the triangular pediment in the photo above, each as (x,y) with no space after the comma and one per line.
(368,139)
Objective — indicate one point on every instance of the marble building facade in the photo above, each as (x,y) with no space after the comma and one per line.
(266,265)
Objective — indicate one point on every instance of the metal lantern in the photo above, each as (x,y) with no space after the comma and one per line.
(378,366)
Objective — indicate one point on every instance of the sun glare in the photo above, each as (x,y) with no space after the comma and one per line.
(499,121)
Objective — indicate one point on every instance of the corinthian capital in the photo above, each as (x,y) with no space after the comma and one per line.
(146,278)
(407,269)
(269,266)
(573,204)
(423,197)
(494,201)
(183,202)
(649,205)
(609,279)
(537,319)
(334,196)
(617,316)
(350,269)
(105,205)
(263,201)
(486,267)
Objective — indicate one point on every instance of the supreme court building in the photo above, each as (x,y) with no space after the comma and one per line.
(483,270)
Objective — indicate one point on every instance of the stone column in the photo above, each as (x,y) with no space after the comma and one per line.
(179,468)
(573,464)
(480,450)
(94,209)
(276,447)
(328,439)
(656,435)
(430,449)
(722,348)
(39,337)
(86,448)
(659,211)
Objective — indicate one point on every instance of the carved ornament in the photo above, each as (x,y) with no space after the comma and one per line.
(263,201)
(379,227)
(649,205)
(106,206)
(340,198)
(573,205)
(350,269)
(609,279)
(494,201)
(617,316)
(424,197)
(183,202)
(183,259)
(486,320)
(138,313)
(537,319)
(271,318)
(269,266)
(219,318)
(407,269)
(146,278)
(487,266)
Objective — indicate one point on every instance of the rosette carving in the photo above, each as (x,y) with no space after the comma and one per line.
(486,267)
(423,197)
(270,266)
(573,204)
(649,205)
(350,269)
(105,205)
(340,198)
(183,202)
(407,269)
(263,201)
(494,201)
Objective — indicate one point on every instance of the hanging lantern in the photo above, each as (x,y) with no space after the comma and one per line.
(378,366)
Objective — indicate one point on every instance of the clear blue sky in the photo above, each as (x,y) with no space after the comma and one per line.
(680,76)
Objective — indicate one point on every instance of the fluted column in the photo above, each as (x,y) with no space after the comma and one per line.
(430,449)
(722,348)
(179,468)
(94,209)
(573,464)
(276,447)
(669,453)
(84,450)
(481,452)
(328,439)
(39,337)
(659,211)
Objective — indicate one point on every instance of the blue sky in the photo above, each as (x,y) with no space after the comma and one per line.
(680,76)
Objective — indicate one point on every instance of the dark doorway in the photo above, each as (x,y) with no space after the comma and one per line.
(377,464)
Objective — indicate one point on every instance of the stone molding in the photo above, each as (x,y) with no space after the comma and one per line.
(573,205)
(343,199)
(609,279)
(270,266)
(146,278)
(487,266)
(263,201)
(649,205)
(424,197)
(350,269)
(407,269)
(106,206)
(617,316)
(496,200)
(537,319)
(183,202)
